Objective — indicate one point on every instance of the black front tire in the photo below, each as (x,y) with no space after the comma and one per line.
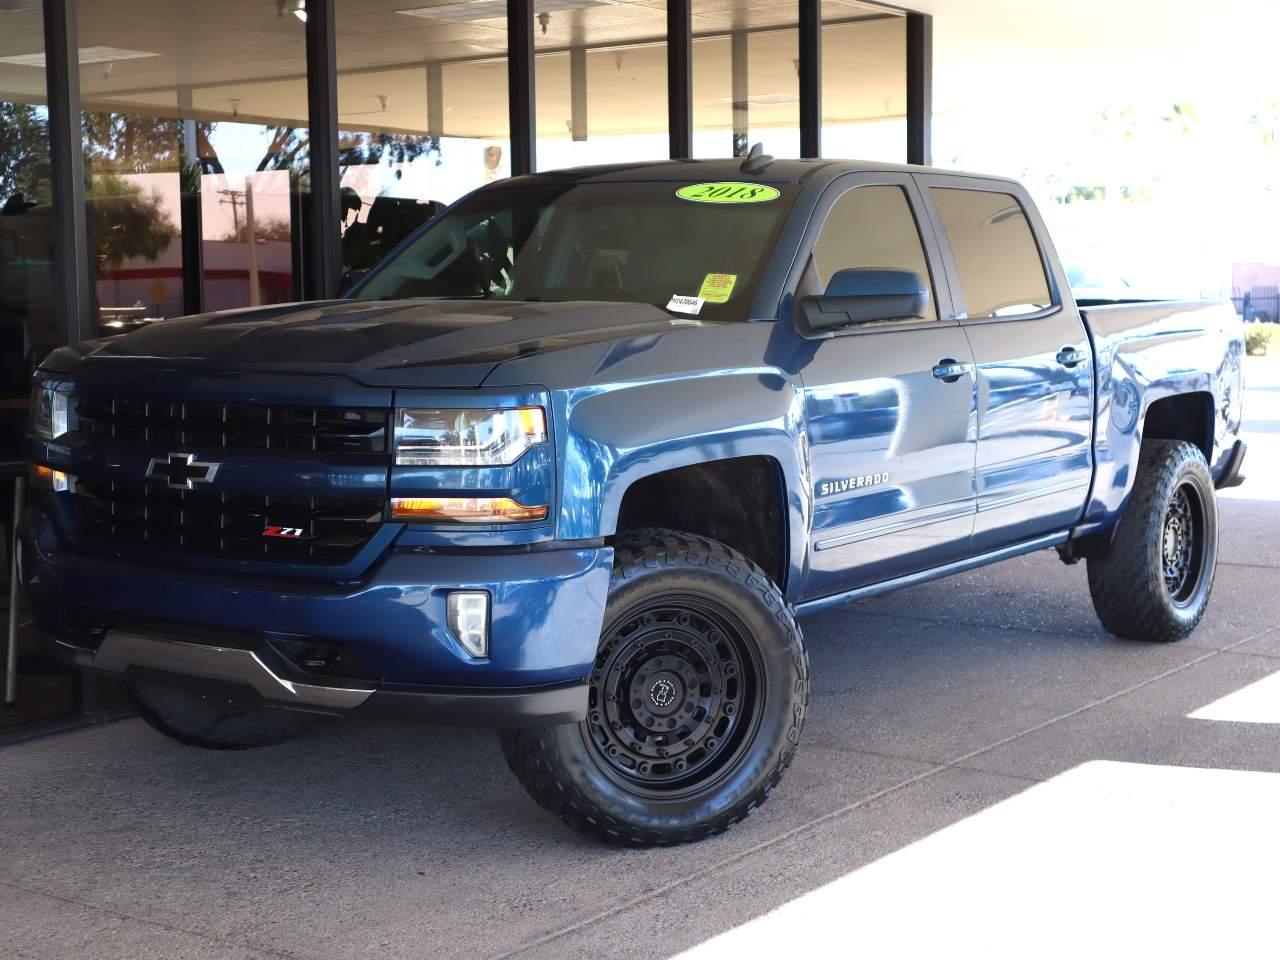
(214,722)
(1154,581)
(698,698)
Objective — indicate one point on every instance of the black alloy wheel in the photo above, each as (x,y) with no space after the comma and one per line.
(1153,578)
(696,699)
(676,691)
(1182,544)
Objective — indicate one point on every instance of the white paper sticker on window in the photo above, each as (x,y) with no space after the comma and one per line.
(691,305)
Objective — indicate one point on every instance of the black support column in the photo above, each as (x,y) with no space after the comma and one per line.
(680,77)
(322,275)
(190,210)
(72,300)
(520,97)
(919,88)
(810,78)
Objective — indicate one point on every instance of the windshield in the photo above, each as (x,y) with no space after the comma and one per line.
(700,254)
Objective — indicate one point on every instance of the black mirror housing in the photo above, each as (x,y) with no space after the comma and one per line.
(866,296)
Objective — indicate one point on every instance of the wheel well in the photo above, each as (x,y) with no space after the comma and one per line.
(1186,416)
(738,501)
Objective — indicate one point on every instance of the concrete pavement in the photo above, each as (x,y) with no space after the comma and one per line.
(967,742)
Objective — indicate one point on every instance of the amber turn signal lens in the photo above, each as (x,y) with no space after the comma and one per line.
(465,510)
(49,478)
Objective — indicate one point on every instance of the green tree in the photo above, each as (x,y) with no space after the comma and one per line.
(125,222)
(24,152)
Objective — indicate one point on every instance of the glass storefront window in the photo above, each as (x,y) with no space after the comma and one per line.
(133,194)
(46,689)
(422,106)
(864,82)
(195,128)
(746,86)
(601,82)
(26,230)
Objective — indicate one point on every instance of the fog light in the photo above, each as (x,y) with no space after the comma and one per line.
(469,620)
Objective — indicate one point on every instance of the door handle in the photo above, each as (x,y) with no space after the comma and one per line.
(1070,356)
(949,370)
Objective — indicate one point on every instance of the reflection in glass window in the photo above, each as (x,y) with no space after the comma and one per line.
(1001,272)
(601,82)
(197,156)
(422,107)
(745,86)
(871,228)
(133,213)
(864,82)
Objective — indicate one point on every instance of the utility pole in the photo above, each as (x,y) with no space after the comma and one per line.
(251,237)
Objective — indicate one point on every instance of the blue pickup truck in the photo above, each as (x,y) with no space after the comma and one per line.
(571,462)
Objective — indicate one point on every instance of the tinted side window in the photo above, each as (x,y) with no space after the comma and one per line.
(995,252)
(871,228)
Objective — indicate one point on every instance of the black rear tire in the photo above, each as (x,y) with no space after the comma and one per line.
(698,698)
(1154,581)
(213,722)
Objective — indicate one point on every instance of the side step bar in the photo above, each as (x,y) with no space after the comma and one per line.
(120,651)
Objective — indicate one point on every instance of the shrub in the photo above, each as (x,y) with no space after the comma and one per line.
(1261,338)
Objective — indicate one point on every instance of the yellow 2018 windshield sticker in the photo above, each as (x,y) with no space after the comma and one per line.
(728,193)
(718,287)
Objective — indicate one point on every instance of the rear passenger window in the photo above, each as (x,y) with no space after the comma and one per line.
(871,228)
(995,251)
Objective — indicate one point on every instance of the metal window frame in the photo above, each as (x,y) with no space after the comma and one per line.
(810,68)
(680,78)
(919,88)
(322,251)
(72,297)
(521,100)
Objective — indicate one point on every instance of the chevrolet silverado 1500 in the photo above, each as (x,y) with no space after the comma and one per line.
(571,462)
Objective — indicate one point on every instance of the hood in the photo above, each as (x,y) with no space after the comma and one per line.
(458,341)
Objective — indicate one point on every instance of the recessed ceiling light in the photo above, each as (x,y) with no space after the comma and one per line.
(87,55)
(467,11)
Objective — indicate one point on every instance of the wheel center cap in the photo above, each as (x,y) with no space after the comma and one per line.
(664,693)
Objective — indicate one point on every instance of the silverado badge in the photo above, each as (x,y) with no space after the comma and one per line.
(851,483)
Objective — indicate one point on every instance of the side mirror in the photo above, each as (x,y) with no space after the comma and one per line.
(866,296)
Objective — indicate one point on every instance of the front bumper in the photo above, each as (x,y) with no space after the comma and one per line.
(335,647)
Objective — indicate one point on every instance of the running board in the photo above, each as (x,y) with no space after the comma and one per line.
(924,576)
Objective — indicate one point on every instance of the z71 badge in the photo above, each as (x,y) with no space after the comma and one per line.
(285,533)
(852,483)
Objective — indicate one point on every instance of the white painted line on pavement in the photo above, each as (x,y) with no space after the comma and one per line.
(1259,702)
(1105,860)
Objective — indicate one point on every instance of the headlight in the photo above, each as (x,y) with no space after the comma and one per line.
(467,438)
(50,412)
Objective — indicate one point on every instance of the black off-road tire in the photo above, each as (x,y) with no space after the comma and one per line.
(1154,581)
(686,616)
(213,722)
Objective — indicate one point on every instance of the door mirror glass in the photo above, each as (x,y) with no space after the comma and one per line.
(859,296)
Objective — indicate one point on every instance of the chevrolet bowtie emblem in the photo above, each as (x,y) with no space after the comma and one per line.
(182,471)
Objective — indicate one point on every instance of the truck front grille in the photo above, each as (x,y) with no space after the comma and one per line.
(208,425)
(230,525)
